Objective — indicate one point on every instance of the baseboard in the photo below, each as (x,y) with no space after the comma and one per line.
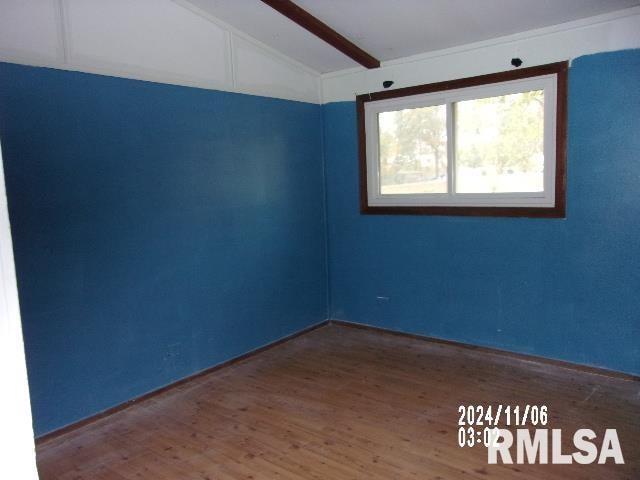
(495,351)
(122,406)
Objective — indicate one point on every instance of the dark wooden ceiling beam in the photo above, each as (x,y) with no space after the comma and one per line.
(323,31)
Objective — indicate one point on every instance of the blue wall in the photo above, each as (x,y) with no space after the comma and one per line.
(566,289)
(158,230)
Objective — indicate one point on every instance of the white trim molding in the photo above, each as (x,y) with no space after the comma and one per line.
(16,434)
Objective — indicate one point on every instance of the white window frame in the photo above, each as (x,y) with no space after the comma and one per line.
(550,203)
(546,198)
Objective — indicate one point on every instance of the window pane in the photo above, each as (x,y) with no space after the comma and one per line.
(499,144)
(413,150)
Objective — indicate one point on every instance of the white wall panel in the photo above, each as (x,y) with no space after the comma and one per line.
(149,39)
(175,42)
(262,72)
(168,41)
(30,31)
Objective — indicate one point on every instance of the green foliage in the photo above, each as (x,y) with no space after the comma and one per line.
(503,132)
(419,133)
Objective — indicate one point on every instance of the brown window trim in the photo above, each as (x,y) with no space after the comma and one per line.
(557,211)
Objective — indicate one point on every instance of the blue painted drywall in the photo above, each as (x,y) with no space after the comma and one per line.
(566,289)
(158,230)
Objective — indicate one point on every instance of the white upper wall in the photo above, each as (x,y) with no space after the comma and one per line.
(167,41)
(175,41)
(401,28)
(615,31)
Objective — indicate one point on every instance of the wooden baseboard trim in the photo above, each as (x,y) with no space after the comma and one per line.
(122,406)
(495,351)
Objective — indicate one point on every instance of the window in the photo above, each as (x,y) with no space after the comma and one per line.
(489,145)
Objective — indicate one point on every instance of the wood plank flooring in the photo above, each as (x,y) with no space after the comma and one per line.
(342,403)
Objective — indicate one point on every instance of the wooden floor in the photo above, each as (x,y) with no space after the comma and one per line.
(343,403)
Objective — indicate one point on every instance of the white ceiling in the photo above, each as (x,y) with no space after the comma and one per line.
(399,28)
